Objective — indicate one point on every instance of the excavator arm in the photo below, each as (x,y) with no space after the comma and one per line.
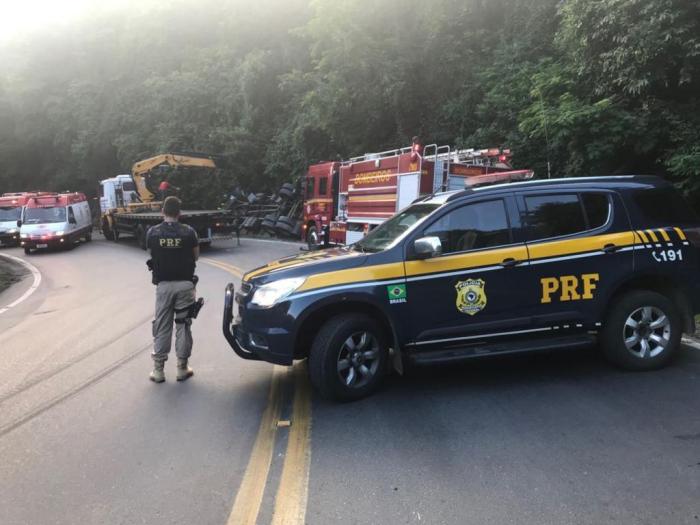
(140,170)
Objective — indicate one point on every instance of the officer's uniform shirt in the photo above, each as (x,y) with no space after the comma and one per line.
(171,244)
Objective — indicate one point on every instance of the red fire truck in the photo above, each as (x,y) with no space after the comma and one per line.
(350,198)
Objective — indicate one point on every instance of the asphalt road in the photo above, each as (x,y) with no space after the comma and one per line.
(85,438)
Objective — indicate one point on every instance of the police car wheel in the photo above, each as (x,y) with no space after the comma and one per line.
(348,358)
(642,331)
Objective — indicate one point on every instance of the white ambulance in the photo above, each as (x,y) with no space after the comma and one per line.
(55,220)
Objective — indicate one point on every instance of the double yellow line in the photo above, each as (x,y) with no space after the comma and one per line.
(230,268)
(292,491)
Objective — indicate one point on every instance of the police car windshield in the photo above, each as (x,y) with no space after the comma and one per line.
(44,215)
(10,213)
(390,231)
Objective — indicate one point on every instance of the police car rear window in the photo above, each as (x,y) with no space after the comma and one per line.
(663,207)
(597,207)
(565,214)
(554,216)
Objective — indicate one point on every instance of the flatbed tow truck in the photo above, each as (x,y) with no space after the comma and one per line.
(129,203)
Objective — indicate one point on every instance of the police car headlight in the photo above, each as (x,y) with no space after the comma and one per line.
(271,293)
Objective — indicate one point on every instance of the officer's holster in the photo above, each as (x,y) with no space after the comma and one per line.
(191,312)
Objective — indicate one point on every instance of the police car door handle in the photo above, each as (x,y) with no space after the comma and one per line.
(610,248)
(510,262)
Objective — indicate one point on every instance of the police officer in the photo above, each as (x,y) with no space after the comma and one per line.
(174,250)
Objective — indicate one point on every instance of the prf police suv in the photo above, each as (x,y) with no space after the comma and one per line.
(494,270)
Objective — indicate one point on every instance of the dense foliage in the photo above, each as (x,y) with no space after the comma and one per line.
(593,86)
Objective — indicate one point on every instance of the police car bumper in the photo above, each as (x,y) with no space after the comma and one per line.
(252,342)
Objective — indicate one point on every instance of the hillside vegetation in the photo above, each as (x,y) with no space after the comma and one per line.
(595,86)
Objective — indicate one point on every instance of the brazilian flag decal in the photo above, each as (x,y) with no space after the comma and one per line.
(397,293)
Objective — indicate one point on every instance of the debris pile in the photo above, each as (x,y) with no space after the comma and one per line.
(278,214)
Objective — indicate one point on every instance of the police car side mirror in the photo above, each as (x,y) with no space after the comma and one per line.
(427,247)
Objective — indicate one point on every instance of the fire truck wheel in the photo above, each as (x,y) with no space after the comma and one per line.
(348,357)
(312,236)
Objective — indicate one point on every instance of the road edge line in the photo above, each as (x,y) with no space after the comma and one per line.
(37,281)
(246,506)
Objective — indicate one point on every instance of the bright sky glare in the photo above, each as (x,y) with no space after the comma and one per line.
(19,17)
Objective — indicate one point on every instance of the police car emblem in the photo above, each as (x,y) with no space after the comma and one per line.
(471,296)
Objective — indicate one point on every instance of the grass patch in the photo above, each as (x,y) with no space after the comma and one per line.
(10,273)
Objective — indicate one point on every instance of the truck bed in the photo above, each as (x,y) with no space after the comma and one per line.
(184,214)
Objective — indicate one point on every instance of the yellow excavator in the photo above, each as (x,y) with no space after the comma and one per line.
(141,172)
(130,205)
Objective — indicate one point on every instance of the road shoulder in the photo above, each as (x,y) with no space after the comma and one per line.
(18,280)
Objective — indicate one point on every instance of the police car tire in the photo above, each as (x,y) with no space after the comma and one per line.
(613,345)
(323,357)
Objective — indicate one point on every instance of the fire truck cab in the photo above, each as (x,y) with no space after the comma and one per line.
(346,200)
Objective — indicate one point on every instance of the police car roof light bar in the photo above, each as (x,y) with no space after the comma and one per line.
(498,178)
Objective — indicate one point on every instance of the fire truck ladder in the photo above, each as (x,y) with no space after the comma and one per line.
(441,158)
(377,156)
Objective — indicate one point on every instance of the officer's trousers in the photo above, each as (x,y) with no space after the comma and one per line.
(172,300)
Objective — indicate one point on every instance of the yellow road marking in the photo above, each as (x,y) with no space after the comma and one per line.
(680,233)
(664,235)
(247,504)
(293,490)
(292,493)
(235,270)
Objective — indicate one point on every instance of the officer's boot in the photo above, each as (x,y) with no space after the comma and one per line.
(184,372)
(157,375)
